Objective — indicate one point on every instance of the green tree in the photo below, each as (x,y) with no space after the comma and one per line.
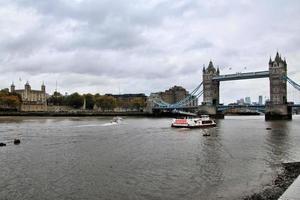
(74,100)
(89,100)
(56,99)
(5,91)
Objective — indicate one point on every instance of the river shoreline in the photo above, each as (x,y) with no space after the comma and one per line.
(280,184)
(73,114)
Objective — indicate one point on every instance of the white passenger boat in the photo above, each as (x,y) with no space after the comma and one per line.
(202,122)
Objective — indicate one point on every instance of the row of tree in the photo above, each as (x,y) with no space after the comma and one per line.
(104,102)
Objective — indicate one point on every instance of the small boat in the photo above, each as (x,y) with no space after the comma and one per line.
(116,120)
(203,122)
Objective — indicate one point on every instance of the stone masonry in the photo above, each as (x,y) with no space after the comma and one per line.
(211,87)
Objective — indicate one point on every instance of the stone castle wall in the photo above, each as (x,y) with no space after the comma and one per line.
(32,100)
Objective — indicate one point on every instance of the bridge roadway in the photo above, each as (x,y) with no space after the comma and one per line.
(241,76)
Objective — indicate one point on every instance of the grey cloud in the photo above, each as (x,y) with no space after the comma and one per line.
(200,44)
(143,45)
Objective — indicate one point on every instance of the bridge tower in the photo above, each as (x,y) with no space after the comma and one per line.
(210,86)
(278,107)
(211,97)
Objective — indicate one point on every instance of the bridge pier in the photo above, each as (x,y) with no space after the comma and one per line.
(210,110)
(278,112)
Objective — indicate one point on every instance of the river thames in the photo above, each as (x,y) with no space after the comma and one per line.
(141,158)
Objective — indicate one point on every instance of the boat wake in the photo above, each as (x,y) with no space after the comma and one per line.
(88,125)
(110,124)
(113,122)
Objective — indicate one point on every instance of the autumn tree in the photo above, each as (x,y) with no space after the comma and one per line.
(106,102)
(137,103)
(9,101)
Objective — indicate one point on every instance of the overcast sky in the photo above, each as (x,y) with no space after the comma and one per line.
(142,46)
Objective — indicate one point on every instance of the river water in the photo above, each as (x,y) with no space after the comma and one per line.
(141,158)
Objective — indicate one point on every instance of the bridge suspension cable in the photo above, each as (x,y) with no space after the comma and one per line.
(191,95)
(196,93)
(293,83)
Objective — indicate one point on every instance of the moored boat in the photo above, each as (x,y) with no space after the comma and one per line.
(203,122)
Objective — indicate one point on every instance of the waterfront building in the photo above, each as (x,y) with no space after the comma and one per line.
(130,102)
(32,100)
(175,94)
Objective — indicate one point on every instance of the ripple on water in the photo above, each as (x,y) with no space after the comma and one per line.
(142,158)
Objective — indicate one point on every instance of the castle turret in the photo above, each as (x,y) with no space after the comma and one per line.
(12,87)
(43,87)
(27,86)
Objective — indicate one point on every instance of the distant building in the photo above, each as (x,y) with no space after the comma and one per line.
(248,100)
(128,96)
(125,101)
(32,100)
(267,100)
(260,100)
(154,97)
(240,102)
(175,94)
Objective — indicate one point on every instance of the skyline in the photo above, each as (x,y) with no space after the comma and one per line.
(144,47)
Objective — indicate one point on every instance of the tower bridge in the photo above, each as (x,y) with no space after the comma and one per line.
(276,108)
